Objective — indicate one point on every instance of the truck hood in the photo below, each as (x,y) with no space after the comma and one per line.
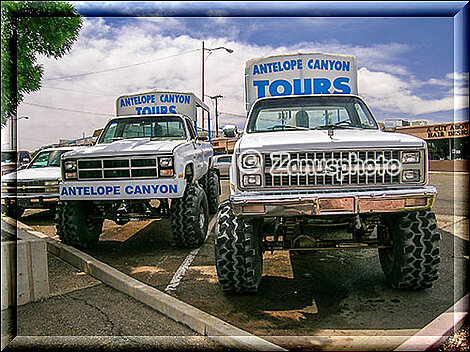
(39,174)
(319,140)
(136,146)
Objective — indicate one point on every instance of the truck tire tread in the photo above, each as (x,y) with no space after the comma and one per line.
(210,184)
(237,253)
(184,215)
(70,226)
(415,259)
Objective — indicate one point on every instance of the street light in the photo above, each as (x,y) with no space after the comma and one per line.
(13,130)
(215,97)
(202,71)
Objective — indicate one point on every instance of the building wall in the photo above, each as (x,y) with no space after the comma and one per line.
(448,144)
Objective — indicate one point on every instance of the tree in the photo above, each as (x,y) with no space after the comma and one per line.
(30,28)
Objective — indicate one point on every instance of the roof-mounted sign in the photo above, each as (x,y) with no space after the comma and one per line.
(159,103)
(299,74)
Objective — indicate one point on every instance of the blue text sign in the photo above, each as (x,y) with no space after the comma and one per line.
(299,74)
(129,189)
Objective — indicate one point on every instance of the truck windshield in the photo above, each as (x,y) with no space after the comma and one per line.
(154,127)
(309,113)
(49,158)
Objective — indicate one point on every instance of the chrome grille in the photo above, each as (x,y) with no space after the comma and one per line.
(27,187)
(117,168)
(294,179)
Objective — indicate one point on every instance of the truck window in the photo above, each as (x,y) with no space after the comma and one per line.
(41,160)
(365,120)
(9,157)
(224,159)
(192,131)
(47,159)
(310,113)
(155,127)
(24,157)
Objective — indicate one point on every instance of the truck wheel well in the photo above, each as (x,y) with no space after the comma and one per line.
(189,173)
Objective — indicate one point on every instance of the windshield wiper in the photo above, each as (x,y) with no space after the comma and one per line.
(338,126)
(287,126)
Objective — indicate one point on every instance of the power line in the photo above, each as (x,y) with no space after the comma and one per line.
(120,67)
(82,91)
(68,110)
(228,113)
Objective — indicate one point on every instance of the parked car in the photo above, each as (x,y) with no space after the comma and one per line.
(35,185)
(12,159)
(222,163)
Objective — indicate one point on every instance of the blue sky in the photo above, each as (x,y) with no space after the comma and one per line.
(406,64)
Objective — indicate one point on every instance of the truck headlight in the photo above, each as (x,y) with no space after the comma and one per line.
(251,180)
(410,157)
(70,165)
(251,161)
(8,187)
(51,186)
(51,183)
(410,175)
(166,162)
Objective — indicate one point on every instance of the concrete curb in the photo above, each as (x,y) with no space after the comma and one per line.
(26,259)
(435,333)
(199,321)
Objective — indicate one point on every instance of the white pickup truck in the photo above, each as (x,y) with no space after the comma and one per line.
(313,157)
(148,163)
(35,185)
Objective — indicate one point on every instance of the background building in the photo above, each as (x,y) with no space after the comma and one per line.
(448,144)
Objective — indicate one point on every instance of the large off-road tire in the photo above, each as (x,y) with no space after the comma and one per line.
(189,217)
(238,256)
(210,184)
(413,261)
(12,210)
(77,224)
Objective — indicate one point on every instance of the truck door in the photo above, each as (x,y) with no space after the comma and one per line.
(197,156)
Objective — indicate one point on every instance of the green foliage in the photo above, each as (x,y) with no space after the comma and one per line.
(31,28)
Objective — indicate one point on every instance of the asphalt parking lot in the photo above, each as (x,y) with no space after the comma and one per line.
(340,293)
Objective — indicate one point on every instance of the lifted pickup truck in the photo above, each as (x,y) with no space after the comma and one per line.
(148,163)
(307,164)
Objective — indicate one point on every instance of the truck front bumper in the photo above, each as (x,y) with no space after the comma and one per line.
(332,203)
(31,201)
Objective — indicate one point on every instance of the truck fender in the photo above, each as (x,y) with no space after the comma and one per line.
(189,172)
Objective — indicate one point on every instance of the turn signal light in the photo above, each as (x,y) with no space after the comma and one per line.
(166,172)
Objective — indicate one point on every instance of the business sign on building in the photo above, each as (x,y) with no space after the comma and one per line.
(449,130)
(438,131)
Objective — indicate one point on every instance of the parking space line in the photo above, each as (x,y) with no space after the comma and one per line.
(179,274)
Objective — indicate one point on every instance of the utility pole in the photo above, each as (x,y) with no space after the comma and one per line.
(215,97)
(203,59)
(202,83)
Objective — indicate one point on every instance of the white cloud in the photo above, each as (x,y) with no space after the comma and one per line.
(393,94)
(383,80)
